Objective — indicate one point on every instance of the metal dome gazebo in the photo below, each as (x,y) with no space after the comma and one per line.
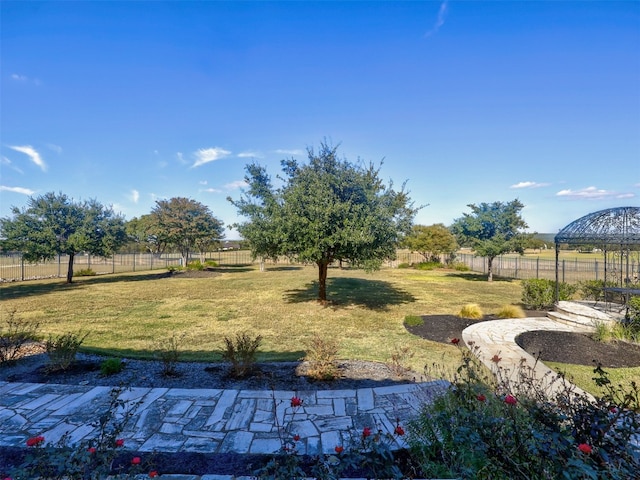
(616,231)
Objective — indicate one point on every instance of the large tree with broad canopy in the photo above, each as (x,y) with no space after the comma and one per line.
(492,229)
(326,210)
(186,225)
(54,224)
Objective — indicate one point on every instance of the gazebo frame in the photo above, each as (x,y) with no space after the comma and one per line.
(616,231)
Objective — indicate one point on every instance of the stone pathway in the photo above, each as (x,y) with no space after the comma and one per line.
(208,421)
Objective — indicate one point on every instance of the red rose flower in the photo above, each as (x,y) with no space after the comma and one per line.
(366,431)
(91,449)
(119,442)
(585,448)
(339,449)
(510,400)
(296,401)
(35,441)
(399,430)
(481,398)
(153,474)
(296,438)
(455,341)
(135,461)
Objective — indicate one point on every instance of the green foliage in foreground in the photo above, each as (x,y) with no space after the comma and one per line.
(484,428)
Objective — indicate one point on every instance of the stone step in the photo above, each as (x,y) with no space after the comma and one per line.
(580,313)
(586,323)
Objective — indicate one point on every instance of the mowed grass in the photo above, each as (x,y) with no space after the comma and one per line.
(130,314)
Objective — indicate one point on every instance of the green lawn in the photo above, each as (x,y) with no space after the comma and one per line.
(129,315)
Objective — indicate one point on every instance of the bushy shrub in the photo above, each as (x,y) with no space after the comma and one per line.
(427,265)
(398,362)
(85,272)
(195,265)
(413,320)
(322,356)
(241,352)
(62,350)
(486,428)
(539,293)
(460,267)
(404,265)
(111,366)
(471,311)
(14,334)
(511,311)
(211,264)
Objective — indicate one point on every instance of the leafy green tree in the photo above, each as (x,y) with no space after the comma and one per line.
(326,210)
(144,232)
(186,225)
(492,229)
(431,241)
(54,224)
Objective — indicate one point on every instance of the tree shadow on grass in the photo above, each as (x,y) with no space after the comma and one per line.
(342,292)
(478,277)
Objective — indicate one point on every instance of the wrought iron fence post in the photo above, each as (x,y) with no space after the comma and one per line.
(537,267)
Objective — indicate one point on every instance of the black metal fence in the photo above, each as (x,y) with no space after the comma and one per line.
(13,268)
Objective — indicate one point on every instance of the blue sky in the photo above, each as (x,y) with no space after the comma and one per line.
(131,102)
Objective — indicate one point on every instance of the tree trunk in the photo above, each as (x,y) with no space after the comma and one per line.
(490,268)
(323,266)
(70,268)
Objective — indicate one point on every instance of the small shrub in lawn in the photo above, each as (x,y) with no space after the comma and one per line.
(413,320)
(510,311)
(322,356)
(460,267)
(85,272)
(602,332)
(168,351)
(404,265)
(174,268)
(471,311)
(241,352)
(111,366)
(195,265)
(211,264)
(62,350)
(427,265)
(539,293)
(14,334)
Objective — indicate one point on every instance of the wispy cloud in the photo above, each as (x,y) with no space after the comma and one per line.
(32,154)
(592,193)
(236,185)
(529,185)
(16,77)
(250,154)
(289,152)
(134,196)
(5,161)
(55,148)
(180,158)
(23,191)
(211,190)
(442,16)
(206,155)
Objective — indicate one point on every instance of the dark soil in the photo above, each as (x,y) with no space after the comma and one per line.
(561,347)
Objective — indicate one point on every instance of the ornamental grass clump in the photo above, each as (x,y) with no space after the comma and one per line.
(322,357)
(487,426)
(511,311)
(241,352)
(471,311)
(63,349)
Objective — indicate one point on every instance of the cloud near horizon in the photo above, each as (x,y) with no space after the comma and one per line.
(206,155)
(529,185)
(23,191)
(289,152)
(32,154)
(250,154)
(236,185)
(592,193)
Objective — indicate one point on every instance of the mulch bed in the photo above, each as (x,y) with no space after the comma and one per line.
(562,347)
